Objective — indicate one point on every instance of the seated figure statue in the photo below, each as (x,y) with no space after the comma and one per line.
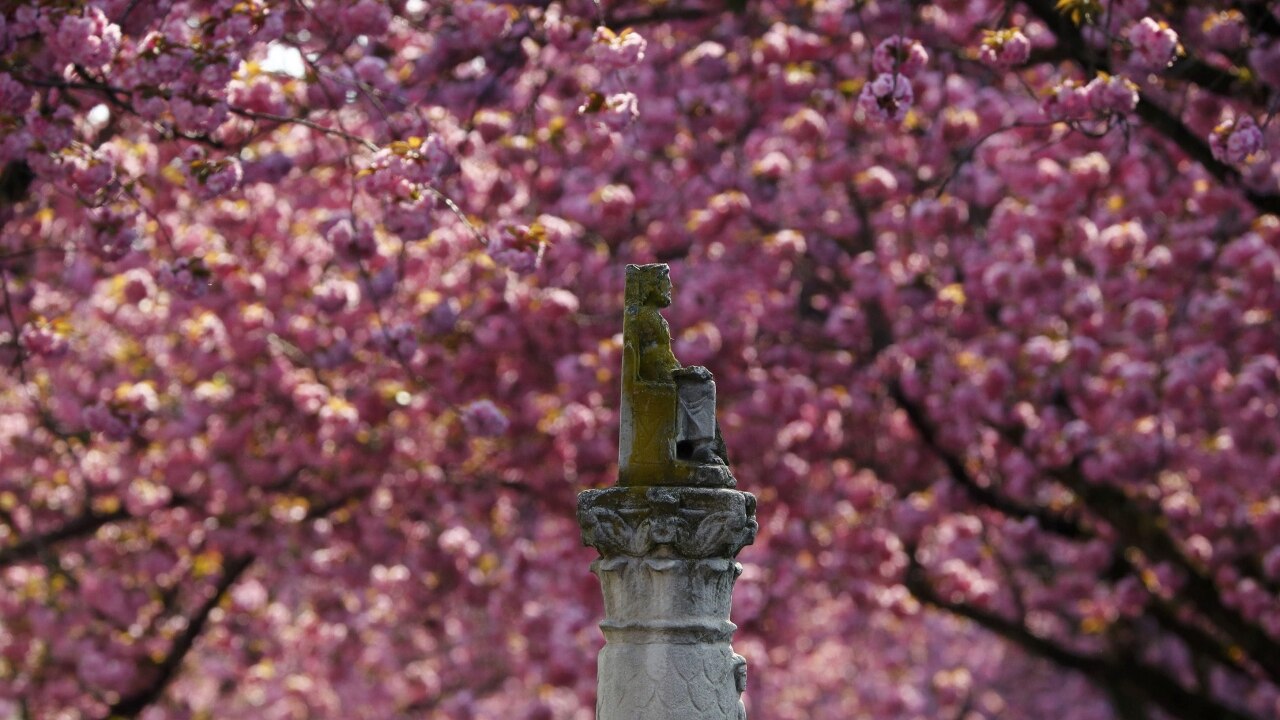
(669,434)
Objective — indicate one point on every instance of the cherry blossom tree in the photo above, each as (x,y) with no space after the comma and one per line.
(309,321)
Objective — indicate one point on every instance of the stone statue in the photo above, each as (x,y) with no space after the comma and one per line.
(667,534)
(669,431)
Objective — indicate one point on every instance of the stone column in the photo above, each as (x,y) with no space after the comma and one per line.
(667,570)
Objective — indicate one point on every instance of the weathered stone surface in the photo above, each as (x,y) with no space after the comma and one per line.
(670,682)
(668,434)
(667,534)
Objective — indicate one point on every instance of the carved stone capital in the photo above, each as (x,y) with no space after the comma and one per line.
(680,522)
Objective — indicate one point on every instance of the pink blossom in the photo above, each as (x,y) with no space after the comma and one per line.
(616,112)
(615,200)
(492,124)
(409,219)
(1155,44)
(1146,317)
(355,242)
(773,166)
(876,182)
(1004,48)
(270,168)
(372,71)
(398,341)
(617,51)
(807,125)
(707,60)
(1074,316)
(91,175)
(187,277)
(219,178)
(1271,563)
(415,160)
(442,318)
(1237,140)
(483,419)
(88,39)
(251,595)
(1068,101)
(1225,30)
(900,55)
(15,97)
(137,285)
(102,670)
(518,247)
(111,233)
(367,17)
(44,338)
(198,115)
(1117,245)
(100,419)
(338,418)
(1112,94)
(888,98)
(486,20)
(1264,60)
(336,295)
(262,94)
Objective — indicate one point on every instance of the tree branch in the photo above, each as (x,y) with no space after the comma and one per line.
(82,526)
(1141,530)
(305,122)
(1128,675)
(133,704)
(669,14)
(1057,524)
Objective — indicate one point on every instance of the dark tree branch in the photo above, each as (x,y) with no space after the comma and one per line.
(924,427)
(15,181)
(81,526)
(667,14)
(303,121)
(133,704)
(1260,17)
(1199,641)
(1129,675)
(1141,529)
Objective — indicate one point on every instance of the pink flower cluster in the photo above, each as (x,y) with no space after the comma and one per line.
(1112,94)
(900,55)
(393,170)
(310,317)
(110,233)
(1155,44)
(15,97)
(518,247)
(1004,48)
(617,51)
(887,98)
(1102,96)
(1236,141)
(88,39)
(44,338)
(483,419)
(1225,30)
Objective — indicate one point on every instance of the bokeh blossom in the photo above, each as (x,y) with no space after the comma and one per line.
(310,328)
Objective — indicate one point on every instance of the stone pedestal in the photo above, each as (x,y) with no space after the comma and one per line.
(667,571)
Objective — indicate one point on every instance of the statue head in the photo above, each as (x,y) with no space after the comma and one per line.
(649,285)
